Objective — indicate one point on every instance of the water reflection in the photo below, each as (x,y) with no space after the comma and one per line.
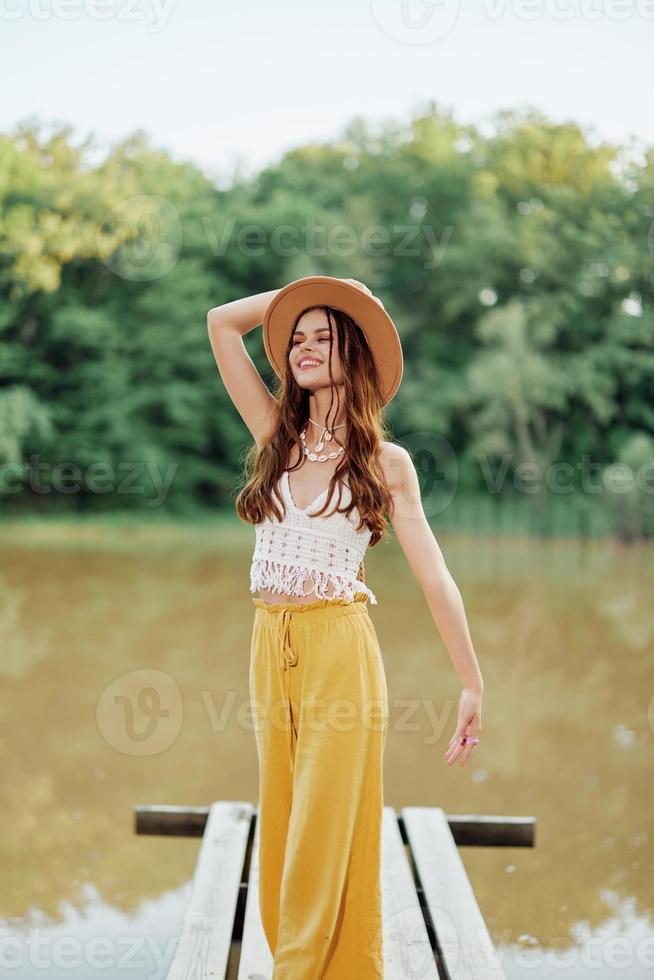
(564,632)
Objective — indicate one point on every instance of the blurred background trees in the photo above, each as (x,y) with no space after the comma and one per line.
(518,267)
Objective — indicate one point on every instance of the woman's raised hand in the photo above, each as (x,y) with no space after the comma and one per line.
(362,286)
(359,285)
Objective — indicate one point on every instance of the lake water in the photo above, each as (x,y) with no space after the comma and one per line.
(564,631)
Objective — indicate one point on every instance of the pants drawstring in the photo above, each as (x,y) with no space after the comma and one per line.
(289,659)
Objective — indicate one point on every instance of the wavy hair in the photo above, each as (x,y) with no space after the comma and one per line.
(366,427)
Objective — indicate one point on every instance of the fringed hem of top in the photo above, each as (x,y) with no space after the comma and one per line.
(289,580)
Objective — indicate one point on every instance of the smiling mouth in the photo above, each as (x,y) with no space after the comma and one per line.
(303,365)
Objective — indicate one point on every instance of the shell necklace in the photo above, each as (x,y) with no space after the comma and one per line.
(327,435)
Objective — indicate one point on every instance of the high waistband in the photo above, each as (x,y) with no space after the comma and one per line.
(281,615)
(310,612)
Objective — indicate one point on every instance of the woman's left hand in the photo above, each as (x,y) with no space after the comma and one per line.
(468,726)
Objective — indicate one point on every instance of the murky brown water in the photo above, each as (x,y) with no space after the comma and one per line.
(565,636)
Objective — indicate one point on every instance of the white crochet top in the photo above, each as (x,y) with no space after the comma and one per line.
(326,548)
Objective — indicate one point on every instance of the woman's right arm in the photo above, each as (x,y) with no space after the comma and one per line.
(227,324)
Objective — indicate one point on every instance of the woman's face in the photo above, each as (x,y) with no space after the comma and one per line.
(309,355)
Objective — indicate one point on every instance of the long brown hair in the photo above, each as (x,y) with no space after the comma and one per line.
(366,428)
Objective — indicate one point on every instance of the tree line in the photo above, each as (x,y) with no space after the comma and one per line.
(517,263)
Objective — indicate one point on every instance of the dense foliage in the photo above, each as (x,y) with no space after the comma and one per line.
(518,266)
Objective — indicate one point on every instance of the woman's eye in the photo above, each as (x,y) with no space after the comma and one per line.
(321,340)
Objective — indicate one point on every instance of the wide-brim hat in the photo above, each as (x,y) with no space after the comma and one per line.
(380,332)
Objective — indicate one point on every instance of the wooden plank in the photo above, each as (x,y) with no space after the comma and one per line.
(477,830)
(461,933)
(407,948)
(256,961)
(170,821)
(491,831)
(203,946)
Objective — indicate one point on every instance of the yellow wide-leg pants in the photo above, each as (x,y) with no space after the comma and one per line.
(320,709)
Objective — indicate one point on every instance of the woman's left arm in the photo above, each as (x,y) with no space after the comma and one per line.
(441,592)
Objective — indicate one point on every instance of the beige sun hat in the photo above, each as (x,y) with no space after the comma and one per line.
(368,312)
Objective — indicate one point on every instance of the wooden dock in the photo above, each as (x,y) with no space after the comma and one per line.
(433,927)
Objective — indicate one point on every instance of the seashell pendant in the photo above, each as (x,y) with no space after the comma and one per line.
(317,455)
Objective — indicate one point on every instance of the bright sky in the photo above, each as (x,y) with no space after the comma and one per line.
(218,82)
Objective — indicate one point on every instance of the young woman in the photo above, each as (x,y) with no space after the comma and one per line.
(321,476)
